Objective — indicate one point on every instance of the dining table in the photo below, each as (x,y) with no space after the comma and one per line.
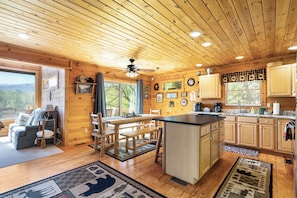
(118,121)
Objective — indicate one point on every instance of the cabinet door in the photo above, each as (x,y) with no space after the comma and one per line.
(214,147)
(278,74)
(204,154)
(266,136)
(286,146)
(230,132)
(210,86)
(247,134)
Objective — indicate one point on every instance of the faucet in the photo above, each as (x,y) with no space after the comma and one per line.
(239,106)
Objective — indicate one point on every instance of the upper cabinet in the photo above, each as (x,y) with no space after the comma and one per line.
(210,86)
(281,81)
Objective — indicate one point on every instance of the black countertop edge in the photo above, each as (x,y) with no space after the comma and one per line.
(192,119)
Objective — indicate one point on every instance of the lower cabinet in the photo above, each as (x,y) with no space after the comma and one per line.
(230,129)
(247,129)
(209,147)
(267,127)
(284,146)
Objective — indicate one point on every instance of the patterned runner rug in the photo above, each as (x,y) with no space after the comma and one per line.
(123,156)
(247,178)
(92,180)
(239,150)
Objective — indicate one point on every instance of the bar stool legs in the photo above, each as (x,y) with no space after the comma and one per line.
(158,145)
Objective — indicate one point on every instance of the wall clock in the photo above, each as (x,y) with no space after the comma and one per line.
(183,102)
(191,81)
(156,87)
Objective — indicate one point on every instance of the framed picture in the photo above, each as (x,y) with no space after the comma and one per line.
(52,82)
(184,94)
(159,97)
(171,95)
(171,104)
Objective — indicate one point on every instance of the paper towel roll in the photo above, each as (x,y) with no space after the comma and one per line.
(276,108)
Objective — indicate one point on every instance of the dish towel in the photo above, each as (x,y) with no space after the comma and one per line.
(289,131)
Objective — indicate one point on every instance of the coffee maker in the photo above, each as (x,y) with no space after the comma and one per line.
(198,106)
(217,107)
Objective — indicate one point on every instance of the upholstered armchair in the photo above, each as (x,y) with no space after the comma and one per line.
(22,133)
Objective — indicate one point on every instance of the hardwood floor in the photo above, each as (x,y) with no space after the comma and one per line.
(143,169)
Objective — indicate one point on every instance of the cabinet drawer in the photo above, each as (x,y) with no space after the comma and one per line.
(214,126)
(230,118)
(205,130)
(247,119)
(266,121)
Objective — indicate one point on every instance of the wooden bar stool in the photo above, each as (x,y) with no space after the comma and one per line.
(158,144)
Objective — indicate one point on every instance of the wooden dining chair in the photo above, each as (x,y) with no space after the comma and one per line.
(103,137)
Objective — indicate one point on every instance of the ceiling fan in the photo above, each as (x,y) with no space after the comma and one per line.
(132,69)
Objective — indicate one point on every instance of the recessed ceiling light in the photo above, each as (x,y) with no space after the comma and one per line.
(239,57)
(23,36)
(293,47)
(206,44)
(199,65)
(195,34)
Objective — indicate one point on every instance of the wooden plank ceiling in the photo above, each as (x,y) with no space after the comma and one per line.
(154,32)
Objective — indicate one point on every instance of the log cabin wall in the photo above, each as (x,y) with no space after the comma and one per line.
(287,103)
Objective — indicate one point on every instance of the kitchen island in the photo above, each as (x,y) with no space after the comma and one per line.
(191,145)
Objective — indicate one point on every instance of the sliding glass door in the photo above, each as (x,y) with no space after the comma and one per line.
(120,98)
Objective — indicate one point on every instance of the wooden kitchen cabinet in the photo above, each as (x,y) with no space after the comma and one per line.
(222,137)
(284,146)
(210,86)
(209,147)
(230,129)
(267,128)
(286,75)
(247,131)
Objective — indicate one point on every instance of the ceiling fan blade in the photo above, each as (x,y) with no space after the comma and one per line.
(146,70)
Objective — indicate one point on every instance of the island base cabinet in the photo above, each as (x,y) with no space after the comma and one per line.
(182,151)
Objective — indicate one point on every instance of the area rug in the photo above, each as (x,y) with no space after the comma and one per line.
(243,151)
(247,178)
(10,156)
(93,180)
(123,156)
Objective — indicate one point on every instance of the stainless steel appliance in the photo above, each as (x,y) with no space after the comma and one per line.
(217,107)
(198,106)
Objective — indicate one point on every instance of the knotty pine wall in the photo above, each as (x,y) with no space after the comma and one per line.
(286,103)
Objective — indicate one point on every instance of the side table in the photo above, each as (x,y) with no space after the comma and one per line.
(42,123)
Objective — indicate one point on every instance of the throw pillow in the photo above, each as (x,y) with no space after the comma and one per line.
(47,134)
(24,119)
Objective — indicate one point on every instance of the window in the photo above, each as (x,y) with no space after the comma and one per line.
(247,93)
(17,93)
(120,98)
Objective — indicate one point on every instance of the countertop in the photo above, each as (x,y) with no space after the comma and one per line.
(191,119)
(244,114)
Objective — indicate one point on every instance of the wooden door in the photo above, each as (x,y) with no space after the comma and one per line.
(266,136)
(278,74)
(214,147)
(230,131)
(286,146)
(204,154)
(210,86)
(247,134)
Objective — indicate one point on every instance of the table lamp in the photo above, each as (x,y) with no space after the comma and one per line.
(48,109)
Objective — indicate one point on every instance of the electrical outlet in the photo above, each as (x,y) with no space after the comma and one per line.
(268,105)
(86,130)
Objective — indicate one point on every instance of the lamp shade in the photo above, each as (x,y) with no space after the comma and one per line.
(49,107)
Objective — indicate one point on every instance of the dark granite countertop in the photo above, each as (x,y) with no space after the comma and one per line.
(193,119)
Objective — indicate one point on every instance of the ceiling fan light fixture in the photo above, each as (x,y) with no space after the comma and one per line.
(132,74)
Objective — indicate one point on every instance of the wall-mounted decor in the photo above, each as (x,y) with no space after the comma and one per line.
(146,92)
(191,81)
(171,104)
(159,97)
(51,82)
(84,88)
(183,102)
(172,85)
(171,95)
(184,94)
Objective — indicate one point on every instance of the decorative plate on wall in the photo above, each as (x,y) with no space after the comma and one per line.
(191,81)
(183,101)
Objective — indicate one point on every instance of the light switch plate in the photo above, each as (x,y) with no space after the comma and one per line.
(268,105)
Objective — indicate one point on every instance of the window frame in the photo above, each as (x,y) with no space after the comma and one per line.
(239,102)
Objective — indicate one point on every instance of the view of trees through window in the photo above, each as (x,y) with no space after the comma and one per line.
(120,98)
(247,93)
(17,93)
